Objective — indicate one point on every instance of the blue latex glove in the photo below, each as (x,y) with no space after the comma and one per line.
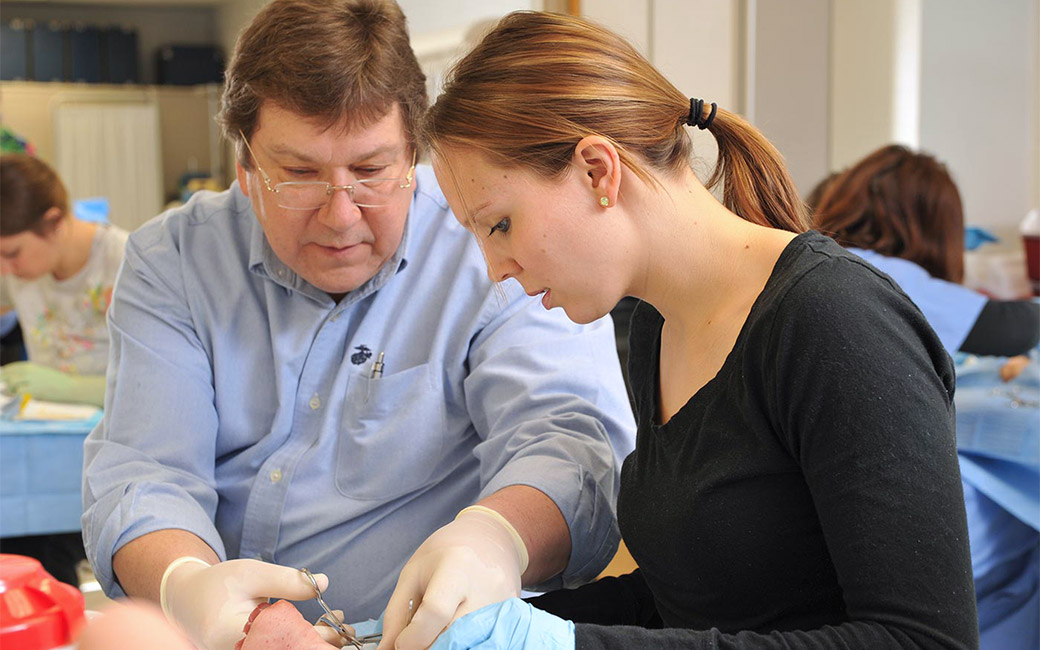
(509,625)
(371,626)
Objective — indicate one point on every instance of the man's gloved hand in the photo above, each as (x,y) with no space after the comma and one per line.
(46,383)
(509,625)
(474,561)
(212,603)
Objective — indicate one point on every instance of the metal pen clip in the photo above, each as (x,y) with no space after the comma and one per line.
(377,367)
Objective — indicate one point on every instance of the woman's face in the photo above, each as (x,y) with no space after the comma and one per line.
(552,236)
(29,256)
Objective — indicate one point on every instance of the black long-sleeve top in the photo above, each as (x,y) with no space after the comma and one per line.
(808,496)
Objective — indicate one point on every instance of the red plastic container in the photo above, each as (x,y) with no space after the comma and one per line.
(37,612)
(1032,245)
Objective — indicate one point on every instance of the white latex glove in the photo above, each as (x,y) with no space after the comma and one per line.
(212,603)
(474,561)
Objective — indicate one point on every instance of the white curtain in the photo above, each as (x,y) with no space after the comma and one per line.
(112,150)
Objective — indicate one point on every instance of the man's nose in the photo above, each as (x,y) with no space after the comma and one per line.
(340,213)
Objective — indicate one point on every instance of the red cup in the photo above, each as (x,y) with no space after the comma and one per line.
(1032,244)
(37,612)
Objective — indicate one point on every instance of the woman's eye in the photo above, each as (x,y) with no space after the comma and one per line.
(501,226)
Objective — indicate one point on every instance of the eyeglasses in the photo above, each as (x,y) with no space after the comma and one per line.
(311,195)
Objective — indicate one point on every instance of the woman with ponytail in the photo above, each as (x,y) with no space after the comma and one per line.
(795,480)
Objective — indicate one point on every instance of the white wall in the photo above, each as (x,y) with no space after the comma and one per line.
(864,105)
(788,83)
(979,88)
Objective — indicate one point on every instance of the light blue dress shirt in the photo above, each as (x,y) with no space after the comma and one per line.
(242,407)
(951,309)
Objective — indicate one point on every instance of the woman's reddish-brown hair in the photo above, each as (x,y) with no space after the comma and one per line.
(538,83)
(899,203)
(29,188)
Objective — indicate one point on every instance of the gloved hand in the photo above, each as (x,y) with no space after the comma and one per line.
(509,625)
(53,385)
(474,561)
(212,603)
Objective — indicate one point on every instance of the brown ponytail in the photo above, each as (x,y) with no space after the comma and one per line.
(538,83)
(755,182)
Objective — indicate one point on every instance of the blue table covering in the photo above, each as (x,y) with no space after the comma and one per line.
(998,440)
(41,470)
(998,434)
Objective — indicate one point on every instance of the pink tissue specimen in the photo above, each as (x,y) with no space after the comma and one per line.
(280,627)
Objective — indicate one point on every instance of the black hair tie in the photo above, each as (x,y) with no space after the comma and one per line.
(696,117)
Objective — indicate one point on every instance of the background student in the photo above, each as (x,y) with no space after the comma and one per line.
(901,211)
(58,276)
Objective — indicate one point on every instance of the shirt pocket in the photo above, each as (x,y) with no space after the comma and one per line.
(392,435)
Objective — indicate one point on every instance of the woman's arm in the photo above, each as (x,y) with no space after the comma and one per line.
(1004,328)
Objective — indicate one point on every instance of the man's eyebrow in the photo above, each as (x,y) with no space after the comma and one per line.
(283,149)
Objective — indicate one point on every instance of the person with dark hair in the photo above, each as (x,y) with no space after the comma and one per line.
(901,211)
(313,370)
(795,481)
(58,276)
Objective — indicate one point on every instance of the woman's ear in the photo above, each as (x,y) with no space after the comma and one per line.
(598,161)
(53,220)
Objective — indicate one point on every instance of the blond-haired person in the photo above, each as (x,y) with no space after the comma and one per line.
(795,480)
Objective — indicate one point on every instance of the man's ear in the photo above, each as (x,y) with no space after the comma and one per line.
(598,161)
(243,178)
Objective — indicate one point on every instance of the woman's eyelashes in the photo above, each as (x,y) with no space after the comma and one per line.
(501,226)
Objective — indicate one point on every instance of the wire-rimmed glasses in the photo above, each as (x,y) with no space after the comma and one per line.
(312,195)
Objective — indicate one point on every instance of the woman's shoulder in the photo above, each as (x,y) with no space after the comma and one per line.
(815,274)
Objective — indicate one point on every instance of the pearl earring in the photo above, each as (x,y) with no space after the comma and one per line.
(604,201)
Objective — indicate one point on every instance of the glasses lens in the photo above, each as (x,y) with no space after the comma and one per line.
(302,196)
(374,192)
(367,193)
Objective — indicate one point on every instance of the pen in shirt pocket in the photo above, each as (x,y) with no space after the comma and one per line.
(376,373)
(377,367)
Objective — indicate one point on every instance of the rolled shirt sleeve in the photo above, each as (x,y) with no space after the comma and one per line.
(139,477)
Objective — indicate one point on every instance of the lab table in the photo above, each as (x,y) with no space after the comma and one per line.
(998,434)
(41,469)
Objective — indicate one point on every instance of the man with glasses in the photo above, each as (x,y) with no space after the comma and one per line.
(312,369)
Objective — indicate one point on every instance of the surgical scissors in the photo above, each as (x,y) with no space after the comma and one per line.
(329,618)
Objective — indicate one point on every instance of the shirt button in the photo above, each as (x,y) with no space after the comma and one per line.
(335,317)
(315,403)
(276,475)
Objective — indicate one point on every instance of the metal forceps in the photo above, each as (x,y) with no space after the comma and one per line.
(330,619)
